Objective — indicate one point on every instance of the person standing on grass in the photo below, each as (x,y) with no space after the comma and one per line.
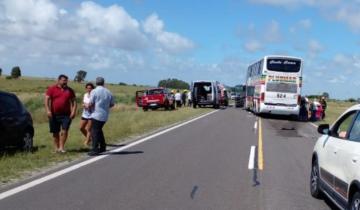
(189,98)
(183,98)
(323,105)
(101,100)
(60,106)
(85,123)
(178,98)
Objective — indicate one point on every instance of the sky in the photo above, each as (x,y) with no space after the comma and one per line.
(144,41)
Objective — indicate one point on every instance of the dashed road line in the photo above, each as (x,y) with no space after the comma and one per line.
(252,158)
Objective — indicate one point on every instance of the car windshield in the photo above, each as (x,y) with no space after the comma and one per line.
(155,91)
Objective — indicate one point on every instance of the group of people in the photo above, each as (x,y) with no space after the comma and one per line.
(61,108)
(183,99)
(312,110)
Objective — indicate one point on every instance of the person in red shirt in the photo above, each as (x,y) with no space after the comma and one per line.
(60,105)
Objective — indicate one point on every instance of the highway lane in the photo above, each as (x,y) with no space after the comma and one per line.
(287,149)
(202,165)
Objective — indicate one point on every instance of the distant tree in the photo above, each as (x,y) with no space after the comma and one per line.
(173,83)
(352,100)
(134,85)
(80,76)
(326,95)
(15,72)
(0,72)
(122,83)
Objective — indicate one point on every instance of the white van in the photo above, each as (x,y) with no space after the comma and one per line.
(205,93)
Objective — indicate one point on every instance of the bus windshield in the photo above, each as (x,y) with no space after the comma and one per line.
(283,65)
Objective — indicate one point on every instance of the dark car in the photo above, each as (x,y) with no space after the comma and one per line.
(16,125)
(239,100)
(240,96)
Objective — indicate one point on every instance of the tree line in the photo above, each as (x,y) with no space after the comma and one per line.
(173,84)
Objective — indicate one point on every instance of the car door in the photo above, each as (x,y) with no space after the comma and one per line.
(9,119)
(332,170)
(349,158)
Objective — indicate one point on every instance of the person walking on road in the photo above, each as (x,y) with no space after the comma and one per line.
(101,100)
(85,123)
(60,106)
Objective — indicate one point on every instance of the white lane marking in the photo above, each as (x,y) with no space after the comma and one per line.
(94,159)
(251,158)
(255,125)
(313,124)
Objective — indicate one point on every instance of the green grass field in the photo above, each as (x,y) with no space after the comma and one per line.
(126,121)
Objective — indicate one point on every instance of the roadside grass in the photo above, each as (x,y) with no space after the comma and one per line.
(126,121)
(334,110)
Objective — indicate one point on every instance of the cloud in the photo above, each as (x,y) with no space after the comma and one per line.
(256,41)
(45,38)
(345,11)
(253,46)
(336,80)
(350,15)
(305,23)
(19,18)
(314,48)
(341,59)
(272,32)
(298,3)
(168,41)
(109,26)
(285,3)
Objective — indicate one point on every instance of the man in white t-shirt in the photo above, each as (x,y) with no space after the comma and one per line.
(189,98)
(178,98)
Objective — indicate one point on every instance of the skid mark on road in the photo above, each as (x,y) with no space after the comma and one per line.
(193,192)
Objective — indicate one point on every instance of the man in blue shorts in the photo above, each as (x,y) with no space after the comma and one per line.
(60,105)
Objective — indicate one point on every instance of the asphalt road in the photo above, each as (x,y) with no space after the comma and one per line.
(201,165)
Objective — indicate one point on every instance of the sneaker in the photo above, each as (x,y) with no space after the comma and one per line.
(92,153)
(62,151)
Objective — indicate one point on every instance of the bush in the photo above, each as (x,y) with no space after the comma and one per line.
(15,72)
(8,77)
(80,76)
(34,104)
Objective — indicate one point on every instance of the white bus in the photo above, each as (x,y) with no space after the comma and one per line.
(273,85)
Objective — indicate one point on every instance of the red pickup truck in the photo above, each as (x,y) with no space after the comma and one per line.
(155,98)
